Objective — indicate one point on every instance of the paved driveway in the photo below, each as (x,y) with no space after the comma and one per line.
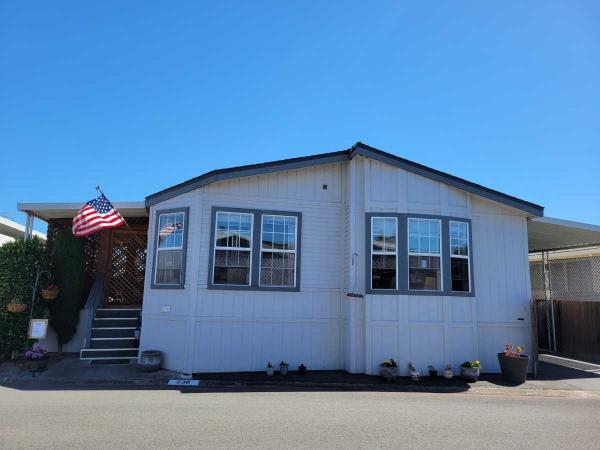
(170,419)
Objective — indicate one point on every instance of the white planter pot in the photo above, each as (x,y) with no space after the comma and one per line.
(270,371)
(469,373)
(283,370)
(448,374)
(415,375)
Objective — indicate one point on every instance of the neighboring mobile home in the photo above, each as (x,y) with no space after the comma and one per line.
(255,264)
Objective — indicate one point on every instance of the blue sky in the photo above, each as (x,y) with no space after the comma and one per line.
(137,96)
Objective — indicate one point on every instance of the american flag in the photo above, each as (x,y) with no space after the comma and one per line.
(96,215)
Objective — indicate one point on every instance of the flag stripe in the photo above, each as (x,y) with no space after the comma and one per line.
(96,215)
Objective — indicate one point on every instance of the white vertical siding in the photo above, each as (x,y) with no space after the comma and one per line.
(218,330)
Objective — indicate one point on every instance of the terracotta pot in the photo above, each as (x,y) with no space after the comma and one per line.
(49,294)
(16,307)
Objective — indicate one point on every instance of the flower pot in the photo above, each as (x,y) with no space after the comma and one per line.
(283,369)
(415,375)
(16,307)
(448,374)
(389,373)
(514,368)
(469,373)
(49,294)
(270,371)
(36,365)
(150,360)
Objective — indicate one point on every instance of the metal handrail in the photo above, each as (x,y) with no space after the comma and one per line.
(93,301)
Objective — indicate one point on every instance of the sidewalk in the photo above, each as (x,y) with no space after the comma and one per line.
(68,372)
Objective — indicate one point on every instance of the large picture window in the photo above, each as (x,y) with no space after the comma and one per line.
(384,253)
(255,249)
(459,256)
(170,249)
(278,250)
(424,254)
(233,249)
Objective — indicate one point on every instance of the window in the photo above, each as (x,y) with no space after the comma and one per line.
(278,251)
(384,266)
(255,250)
(169,260)
(424,254)
(459,256)
(233,249)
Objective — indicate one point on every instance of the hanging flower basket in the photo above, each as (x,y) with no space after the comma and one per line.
(16,307)
(50,293)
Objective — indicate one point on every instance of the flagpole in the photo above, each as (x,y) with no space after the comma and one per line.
(135,236)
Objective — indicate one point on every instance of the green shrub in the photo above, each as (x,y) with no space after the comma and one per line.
(68,273)
(19,261)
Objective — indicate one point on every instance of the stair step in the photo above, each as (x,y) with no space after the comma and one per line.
(104,353)
(99,362)
(113,332)
(114,342)
(111,322)
(117,312)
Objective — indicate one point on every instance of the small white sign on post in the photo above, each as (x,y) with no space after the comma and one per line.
(38,328)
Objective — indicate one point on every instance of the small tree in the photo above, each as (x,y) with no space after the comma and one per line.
(19,262)
(68,272)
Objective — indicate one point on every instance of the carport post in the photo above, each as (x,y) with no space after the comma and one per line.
(549,303)
(28,227)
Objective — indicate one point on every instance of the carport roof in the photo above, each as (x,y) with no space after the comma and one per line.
(47,211)
(547,233)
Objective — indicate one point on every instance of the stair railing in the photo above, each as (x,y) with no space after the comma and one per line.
(93,302)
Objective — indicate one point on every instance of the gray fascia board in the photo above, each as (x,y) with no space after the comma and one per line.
(451,180)
(345,155)
(238,172)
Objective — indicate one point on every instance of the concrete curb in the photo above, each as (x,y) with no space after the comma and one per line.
(473,389)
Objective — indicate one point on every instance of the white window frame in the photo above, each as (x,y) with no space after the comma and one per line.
(159,249)
(467,256)
(439,255)
(245,249)
(273,250)
(384,253)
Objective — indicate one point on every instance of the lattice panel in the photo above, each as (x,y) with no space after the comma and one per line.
(125,285)
(536,270)
(576,278)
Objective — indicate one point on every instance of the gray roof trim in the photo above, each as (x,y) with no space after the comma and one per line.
(325,158)
(451,180)
(246,171)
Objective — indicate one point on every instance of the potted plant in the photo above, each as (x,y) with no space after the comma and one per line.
(283,368)
(388,370)
(270,369)
(513,363)
(36,359)
(469,370)
(414,373)
(302,369)
(432,372)
(448,372)
(50,293)
(16,306)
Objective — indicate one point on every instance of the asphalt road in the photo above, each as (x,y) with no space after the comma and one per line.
(171,419)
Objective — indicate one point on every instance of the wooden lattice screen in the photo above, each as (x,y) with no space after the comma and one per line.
(127,267)
(119,253)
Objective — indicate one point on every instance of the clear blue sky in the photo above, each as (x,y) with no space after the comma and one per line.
(138,96)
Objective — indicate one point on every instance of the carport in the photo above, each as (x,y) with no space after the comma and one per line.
(564,266)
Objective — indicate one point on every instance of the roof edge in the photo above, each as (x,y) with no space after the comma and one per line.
(344,155)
